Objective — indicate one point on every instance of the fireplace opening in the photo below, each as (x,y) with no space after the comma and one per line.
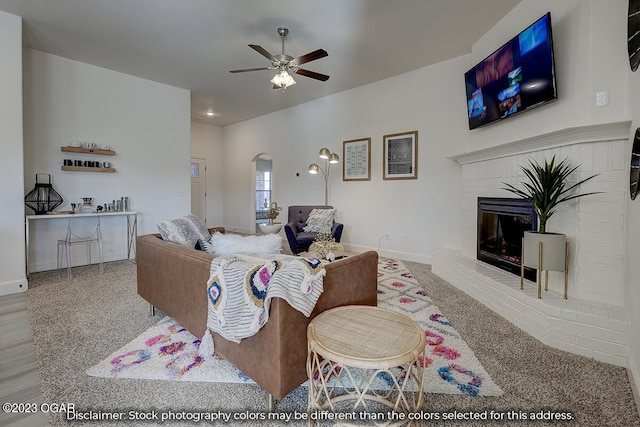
(501,226)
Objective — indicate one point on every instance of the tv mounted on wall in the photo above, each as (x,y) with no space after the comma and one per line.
(517,77)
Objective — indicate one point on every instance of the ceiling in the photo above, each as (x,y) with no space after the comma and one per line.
(193,44)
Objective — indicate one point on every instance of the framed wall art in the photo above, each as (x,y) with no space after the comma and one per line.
(356,164)
(400,156)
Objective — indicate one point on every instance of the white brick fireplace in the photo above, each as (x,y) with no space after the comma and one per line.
(592,322)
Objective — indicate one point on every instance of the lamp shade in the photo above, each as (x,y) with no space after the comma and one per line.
(333,158)
(313,168)
(324,153)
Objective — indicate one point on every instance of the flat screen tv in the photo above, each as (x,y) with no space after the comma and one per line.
(517,77)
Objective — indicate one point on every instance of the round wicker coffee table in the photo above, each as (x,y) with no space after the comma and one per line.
(353,350)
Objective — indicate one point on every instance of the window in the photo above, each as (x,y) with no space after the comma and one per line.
(263,194)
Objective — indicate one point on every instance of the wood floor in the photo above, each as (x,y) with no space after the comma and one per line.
(19,378)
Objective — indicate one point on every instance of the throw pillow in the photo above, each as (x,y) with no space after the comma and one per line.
(200,227)
(180,230)
(320,221)
(231,244)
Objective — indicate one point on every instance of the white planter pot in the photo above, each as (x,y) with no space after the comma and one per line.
(270,228)
(553,250)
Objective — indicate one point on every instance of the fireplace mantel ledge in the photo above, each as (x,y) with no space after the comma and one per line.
(560,138)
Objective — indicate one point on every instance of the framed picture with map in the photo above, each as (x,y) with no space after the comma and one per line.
(400,156)
(356,164)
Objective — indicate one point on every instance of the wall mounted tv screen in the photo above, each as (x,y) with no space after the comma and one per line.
(515,78)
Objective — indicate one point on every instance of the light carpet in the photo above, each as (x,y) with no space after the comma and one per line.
(166,351)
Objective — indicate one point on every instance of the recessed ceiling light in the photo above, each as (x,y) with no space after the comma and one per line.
(209,113)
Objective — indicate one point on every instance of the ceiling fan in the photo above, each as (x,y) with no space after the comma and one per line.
(286,64)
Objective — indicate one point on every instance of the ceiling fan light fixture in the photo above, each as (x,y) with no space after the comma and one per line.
(283,79)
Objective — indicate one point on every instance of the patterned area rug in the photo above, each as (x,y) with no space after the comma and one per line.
(167,351)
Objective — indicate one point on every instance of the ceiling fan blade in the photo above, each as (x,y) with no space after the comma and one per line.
(262,51)
(251,69)
(312,74)
(311,56)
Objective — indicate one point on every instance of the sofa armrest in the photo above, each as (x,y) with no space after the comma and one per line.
(350,280)
(336,231)
(291,232)
(290,227)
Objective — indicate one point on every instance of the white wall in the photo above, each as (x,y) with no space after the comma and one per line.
(422,209)
(12,265)
(590,54)
(632,249)
(207,143)
(146,123)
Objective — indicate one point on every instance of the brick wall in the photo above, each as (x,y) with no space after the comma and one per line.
(594,225)
(592,321)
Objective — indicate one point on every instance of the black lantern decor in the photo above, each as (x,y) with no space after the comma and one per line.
(43,198)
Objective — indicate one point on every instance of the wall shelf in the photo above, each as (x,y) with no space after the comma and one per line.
(87,169)
(88,151)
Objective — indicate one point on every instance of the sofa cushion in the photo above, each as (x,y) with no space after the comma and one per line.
(320,221)
(184,231)
(231,244)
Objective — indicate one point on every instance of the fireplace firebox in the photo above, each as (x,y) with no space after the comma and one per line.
(501,226)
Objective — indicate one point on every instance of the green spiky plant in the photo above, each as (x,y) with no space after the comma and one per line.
(547,187)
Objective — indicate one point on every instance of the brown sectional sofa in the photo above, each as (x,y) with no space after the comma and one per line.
(173,278)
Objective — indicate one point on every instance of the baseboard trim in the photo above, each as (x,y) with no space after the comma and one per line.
(387,253)
(76,262)
(14,286)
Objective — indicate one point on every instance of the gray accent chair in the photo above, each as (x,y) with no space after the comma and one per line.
(299,241)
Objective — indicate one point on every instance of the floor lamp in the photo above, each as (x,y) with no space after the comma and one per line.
(328,158)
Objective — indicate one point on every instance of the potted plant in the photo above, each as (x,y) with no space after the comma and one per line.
(546,188)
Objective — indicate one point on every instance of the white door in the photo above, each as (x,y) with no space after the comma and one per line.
(198,189)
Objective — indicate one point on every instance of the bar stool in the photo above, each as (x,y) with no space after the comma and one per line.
(74,238)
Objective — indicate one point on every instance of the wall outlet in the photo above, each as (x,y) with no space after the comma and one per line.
(602,98)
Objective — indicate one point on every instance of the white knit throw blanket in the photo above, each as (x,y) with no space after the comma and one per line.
(240,289)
